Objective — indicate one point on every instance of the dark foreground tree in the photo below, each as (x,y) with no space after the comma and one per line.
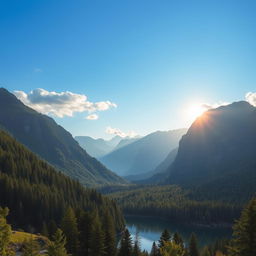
(126,244)
(243,242)
(205,252)
(96,242)
(193,246)
(170,248)
(85,221)
(31,248)
(5,233)
(154,250)
(165,237)
(178,239)
(57,246)
(110,235)
(69,227)
(136,247)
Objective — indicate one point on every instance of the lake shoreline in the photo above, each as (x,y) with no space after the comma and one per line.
(195,224)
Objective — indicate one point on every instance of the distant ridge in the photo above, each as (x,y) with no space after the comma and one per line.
(100,147)
(143,155)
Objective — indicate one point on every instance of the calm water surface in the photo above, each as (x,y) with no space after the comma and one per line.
(150,230)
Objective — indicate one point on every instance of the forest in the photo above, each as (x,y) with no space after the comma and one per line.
(38,195)
(173,203)
(83,234)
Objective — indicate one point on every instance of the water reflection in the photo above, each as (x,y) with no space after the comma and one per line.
(150,230)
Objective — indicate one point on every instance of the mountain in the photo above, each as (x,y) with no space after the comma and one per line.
(125,141)
(162,167)
(114,141)
(42,135)
(37,194)
(159,172)
(100,147)
(143,155)
(217,155)
(94,147)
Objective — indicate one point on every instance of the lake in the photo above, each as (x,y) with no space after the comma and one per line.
(150,229)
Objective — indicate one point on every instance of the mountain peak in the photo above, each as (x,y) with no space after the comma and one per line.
(235,106)
(6,96)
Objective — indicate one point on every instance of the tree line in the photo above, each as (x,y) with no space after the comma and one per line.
(174,203)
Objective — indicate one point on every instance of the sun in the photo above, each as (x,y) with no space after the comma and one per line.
(194,111)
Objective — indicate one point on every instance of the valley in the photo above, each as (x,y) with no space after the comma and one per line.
(166,184)
(128,128)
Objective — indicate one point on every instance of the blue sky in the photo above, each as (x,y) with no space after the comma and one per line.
(151,58)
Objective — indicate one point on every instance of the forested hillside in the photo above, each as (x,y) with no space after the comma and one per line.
(51,142)
(174,203)
(37,194)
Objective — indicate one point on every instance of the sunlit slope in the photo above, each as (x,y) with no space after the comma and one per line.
(46,138)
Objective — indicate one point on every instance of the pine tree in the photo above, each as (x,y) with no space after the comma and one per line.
(136,247)
(85,220)
(110,235)
(205,252)
(97,237)
(193,246)
(57,246)
(165,237)
(70,230)
(154,250)
(243,242)
(126,244)
(178,239)
(170,248)
(5,232)
(31,248)
(144,253)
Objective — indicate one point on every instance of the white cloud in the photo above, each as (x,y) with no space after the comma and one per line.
(118,132)
(61,104)
(92,117)
(251,98)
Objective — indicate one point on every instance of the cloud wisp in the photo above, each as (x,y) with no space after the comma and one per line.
(251,98)
(207,106)
(62,104)
(118,132)
(92,117)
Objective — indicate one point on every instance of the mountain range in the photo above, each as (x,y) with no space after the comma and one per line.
(100,147)
(42,135)
(143,155)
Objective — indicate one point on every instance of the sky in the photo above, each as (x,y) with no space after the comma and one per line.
(104,67)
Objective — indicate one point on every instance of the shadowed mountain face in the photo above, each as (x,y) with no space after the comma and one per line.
(51,142)
(220,145)
(143,155)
